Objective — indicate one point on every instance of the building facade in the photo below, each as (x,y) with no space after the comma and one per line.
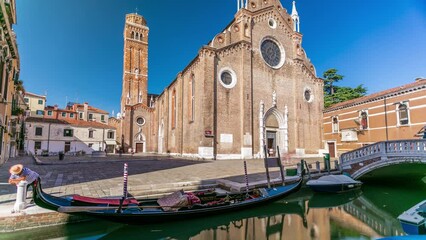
(9,81)
(393,114)
(50,136)
(251,86)
(36,104)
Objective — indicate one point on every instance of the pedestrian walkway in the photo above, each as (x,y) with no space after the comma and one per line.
(148,175)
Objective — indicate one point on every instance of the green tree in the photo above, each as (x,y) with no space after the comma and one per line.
(337,94)
(330,77)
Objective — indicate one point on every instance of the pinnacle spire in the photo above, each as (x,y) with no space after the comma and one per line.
(295,17)
(294,10)
(241,4)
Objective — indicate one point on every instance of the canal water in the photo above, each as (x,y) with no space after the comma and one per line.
(367,214)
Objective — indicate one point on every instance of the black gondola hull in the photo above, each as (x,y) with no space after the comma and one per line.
(141,215)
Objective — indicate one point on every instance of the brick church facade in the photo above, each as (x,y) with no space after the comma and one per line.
(251,85)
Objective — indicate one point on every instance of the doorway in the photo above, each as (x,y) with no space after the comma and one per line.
(271,142)
(67,147)
(139,147)
(332,149)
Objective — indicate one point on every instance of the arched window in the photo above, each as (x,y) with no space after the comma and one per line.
(335,124)
(364,120)
(137,36)
(174,109)
(132,35)
(403,114)
(191,98)
(139,58)
(130,60)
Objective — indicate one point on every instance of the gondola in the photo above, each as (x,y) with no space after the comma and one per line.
(132,211)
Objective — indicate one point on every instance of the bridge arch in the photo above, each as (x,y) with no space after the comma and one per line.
(381,154)
(382,164)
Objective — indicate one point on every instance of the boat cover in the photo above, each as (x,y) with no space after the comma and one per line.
(336,179)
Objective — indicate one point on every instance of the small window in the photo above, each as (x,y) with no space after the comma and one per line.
(26,100)
(37,145)
(90,116)
(140,121)
(40,102)
(403,114)
(228,78)
(272,23)
(38,131)
(111,135)
(90,133)
(103,118)
(39,112)
(71,115)
(64,114)
(81,115)
(90,145)
(49,113)
(307,94)
(364,120)
(335,125)
(68,133)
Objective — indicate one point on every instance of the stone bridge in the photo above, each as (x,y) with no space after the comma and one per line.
(381,154)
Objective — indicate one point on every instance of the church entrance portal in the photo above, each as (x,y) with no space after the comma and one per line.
(272,134)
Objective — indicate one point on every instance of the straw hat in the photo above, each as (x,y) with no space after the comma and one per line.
(16,169)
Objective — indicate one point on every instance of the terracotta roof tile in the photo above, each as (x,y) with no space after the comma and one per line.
(45,120)
(81,123)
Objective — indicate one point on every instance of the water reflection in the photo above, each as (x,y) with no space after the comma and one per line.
(304,215)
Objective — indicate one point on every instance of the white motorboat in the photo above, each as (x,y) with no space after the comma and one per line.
(334,184)
(413,220)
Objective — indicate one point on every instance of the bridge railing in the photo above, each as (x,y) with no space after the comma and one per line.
(383,150)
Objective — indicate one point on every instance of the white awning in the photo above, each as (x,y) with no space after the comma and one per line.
(110,142)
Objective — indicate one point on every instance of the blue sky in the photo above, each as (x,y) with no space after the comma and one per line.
(73,50)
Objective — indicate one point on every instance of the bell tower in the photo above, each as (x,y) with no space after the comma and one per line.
(135,63)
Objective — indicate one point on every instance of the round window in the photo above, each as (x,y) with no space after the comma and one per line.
(271,53)
(228,78)
(308,95)
(272,23)
(140,121)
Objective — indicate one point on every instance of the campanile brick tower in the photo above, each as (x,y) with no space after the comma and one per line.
(135,64)
(134,97)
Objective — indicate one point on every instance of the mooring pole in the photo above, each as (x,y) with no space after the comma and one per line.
(245,175)
(125,177)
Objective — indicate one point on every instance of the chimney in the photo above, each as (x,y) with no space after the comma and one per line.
(86,107)
(420,79)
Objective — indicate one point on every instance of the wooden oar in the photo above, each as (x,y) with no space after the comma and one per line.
(5,183)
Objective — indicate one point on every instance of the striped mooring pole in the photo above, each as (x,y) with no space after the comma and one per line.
(245,175)
(125,176)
